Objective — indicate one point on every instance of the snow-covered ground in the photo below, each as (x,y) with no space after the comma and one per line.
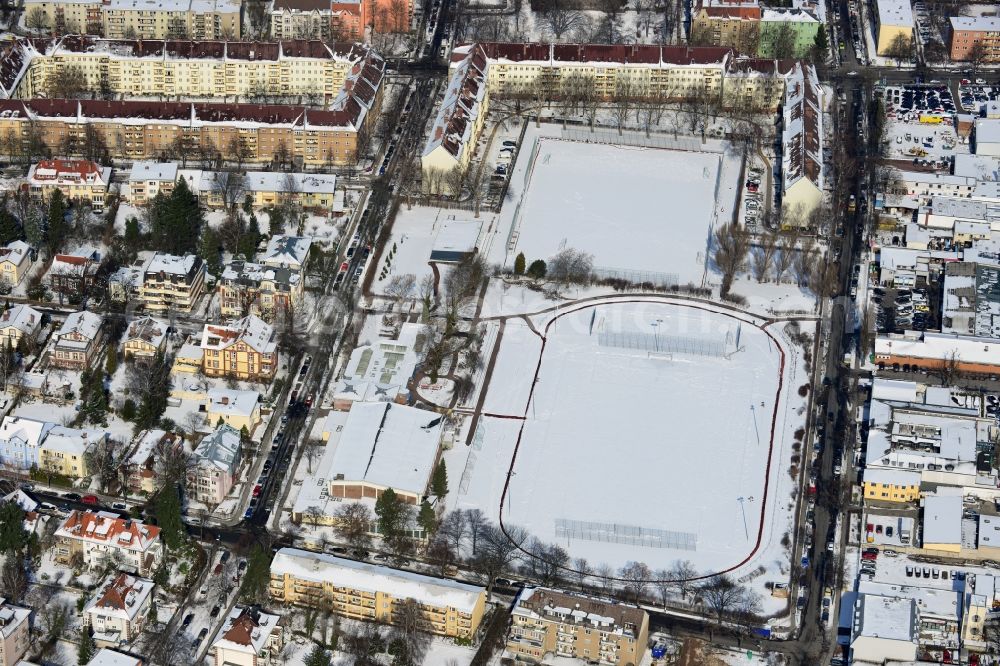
(627,435)
(413,235)
(638,209)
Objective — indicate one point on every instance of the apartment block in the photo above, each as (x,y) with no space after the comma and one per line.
(80,181)
(27,443)
(15,632)
(891,485)
(546,623)
(374,593)
(172,283)
(250,288)
(147,179)
(893,19)
(732,23)
(203,69)
(117,612)
(246,349)
(968,33)
(531,70)
(93,536)
(143,19)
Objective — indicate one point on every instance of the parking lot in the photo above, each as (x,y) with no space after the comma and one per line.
(973,94)
(753,199)
(928,32)
(907,103)
(898,310)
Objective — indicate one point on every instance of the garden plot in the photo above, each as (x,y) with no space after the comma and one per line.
(652,433)
(643,213)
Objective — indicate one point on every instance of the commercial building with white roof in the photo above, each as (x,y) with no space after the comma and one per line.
(987,137)
(942,522)
(380,370)
(365,591)
(894,20)
(109,657)
(885,628)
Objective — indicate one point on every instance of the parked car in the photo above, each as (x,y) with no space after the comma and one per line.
(74,497)
(89,499)
(187,620)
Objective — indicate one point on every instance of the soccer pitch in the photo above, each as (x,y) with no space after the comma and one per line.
(653,432)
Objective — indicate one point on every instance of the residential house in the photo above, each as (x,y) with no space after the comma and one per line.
(72,273)
(20,321)
(369,592)
(249,637)
(546,621)
(117,612)
(15,632)
(96,535)
(27,443)
(124,284)
(142,461)
(247,288)
(80,181)
(189,358)
(246,349)
(109,657)
(237,409)
(15,261)
(217,460)
(145,338)
(78,341)
(216,189)
(147,179)
(287,252)
(173,283)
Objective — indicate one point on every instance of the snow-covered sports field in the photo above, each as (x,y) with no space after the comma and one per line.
(635,209)
(656,431)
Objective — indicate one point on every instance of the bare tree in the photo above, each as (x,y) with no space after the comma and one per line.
(729,252)
(353,526)
(784,255)
(570,266)
(581,571)
(762,257)
(558,21)
(951,367)
(721,594)
(230,187)
(312,452)
(15,576)
(683,573)
(452,529)
(635,578)
(401,287)
(104,459)
(407,622)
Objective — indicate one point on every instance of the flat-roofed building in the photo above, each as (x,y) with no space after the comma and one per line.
(942,523)
(975,36)
(363,591)
(171,282)
(147,179)
(891,485)
(885,629)
(894,22)
(546,621)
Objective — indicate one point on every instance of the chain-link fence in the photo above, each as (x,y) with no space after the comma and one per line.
(628,535)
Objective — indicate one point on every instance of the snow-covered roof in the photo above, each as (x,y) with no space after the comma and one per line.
(463,98)
(989,531)
(894,389)
(248,273)
(171,264)
(252,330)
(939,346)
(287,251)
(220,448)
(13,617)
(457,236)
(83,322)
(802,136)
(892,477)
(787,15)
(109,530)
(70,440)
(15,252)
(147,329)
(975,23)
(109,657)
(69,172)
(284,182)
(22,317)
(247,629)
(987,131)
(21,498)
(890,618)
(896,13)
(427,590)
(980,167)
(384,362)
(121,597)
(942,519)
(388,445)
(232,401)
(602,614)
(143,171)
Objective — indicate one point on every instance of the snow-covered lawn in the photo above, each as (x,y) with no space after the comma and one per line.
(413,235)
(632,448)
(636,209)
